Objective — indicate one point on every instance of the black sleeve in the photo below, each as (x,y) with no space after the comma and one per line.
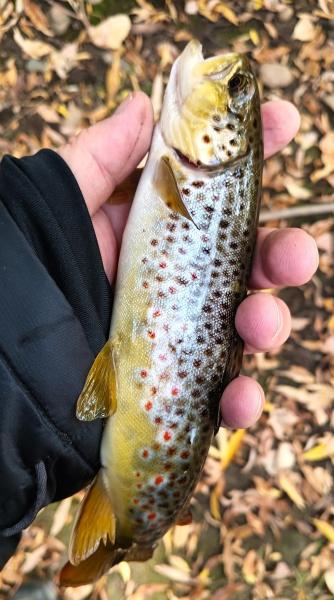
(55,304)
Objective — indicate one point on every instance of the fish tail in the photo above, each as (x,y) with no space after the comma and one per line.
(94,548)
(91,569)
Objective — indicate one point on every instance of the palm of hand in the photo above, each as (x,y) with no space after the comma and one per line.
(103,155)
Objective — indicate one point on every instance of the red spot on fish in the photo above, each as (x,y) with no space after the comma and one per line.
(171,451)
(158,420)
(135,501)
(139,486)
(172,289)
(157,313)
(158,480)
(145,284)
(153,390)
(148,405)
(152,516)
(163,265)
(184,454)
(137,474)
(164,376)
(161,294)
(156,446)
(193,276)
(162,357)
(167,436)
(168,466)
(145,453)
(151,334)
(175,391)
(143,373)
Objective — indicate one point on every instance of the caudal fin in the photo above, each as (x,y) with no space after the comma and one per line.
(92,568)
(99,563)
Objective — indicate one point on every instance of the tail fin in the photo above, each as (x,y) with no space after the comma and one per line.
(92,568)
(99,563)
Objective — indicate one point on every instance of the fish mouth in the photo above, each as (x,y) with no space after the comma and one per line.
(187,162)
(199,166)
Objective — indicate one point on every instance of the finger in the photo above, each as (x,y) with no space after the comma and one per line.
(280,123)
(101,156)
(283,257)
(242,403)
(263,321)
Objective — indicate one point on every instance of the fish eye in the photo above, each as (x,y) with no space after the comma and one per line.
(236,83)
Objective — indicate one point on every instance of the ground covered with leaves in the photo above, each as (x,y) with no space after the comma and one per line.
(263,512)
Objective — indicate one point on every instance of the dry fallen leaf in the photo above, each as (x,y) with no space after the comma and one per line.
(275,75)
(111,32)
(33,48)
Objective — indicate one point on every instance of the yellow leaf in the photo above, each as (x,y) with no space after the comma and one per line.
(289,488)
(111,33)
(320,451)
(325,528)
(125,571)
(227,13)
(215,504)
(113,79)
(233,446)
(254,36)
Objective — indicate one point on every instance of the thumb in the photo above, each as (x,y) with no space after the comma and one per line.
(101,156)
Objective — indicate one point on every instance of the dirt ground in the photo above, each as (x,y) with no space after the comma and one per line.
(264,512)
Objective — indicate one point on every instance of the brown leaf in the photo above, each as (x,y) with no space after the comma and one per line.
(37,17)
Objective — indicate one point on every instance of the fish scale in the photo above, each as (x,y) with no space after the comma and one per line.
(183,268)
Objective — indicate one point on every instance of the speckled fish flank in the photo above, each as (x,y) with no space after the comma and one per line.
(184,264)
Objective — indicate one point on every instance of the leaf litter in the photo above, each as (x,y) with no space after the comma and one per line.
(263,517)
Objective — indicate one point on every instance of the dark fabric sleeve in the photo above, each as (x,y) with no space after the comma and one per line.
(55,304)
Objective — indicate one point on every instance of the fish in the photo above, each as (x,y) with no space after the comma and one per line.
(184,262)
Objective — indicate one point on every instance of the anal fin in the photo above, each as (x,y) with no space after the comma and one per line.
(95,523)
(98,397)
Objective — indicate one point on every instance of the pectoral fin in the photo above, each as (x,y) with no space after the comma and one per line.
(98,397)
(126,190)
(168,190)
(95,523)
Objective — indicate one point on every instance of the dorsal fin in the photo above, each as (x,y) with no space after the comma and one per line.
(168,189)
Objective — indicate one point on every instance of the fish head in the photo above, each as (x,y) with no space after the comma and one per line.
(211,112)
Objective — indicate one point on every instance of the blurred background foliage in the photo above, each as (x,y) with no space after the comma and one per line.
(263,512)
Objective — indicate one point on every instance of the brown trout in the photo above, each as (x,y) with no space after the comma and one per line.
(184,263)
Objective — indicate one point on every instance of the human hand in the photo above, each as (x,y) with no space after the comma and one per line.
(102,156)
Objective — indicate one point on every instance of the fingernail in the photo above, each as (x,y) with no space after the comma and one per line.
(278,320)
(122,107)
